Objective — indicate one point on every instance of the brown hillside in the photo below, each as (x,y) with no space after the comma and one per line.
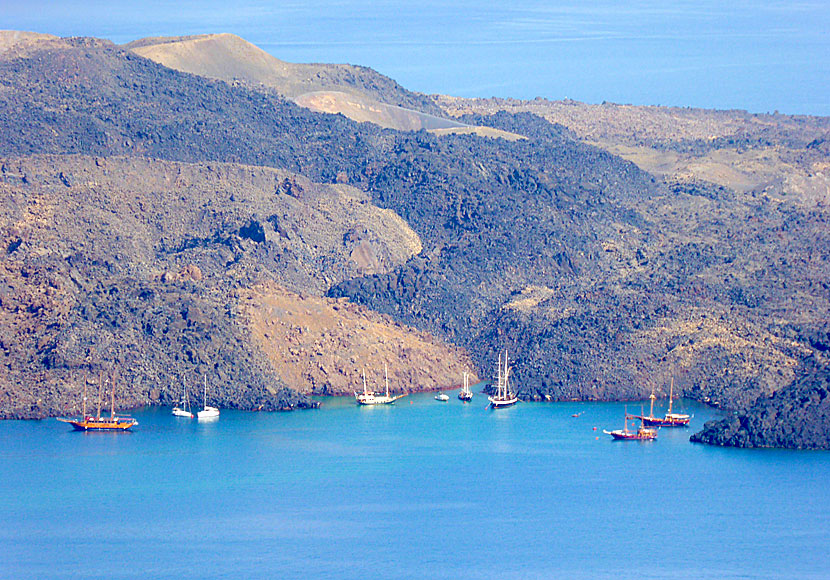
(321,345)
(356,92)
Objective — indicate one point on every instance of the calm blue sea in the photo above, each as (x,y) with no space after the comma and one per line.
(761,56)
(420,489)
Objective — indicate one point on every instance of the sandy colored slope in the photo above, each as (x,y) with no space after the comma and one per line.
(321,345)
(325,88)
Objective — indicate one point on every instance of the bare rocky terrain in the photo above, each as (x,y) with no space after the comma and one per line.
(165,225)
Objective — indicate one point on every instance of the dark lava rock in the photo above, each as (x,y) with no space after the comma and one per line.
(796,417)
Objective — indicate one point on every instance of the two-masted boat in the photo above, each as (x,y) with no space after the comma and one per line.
(642,433)
(368,397)
(98,423)
(184,410)
(669,419)
(207,412)
(466,394)
(504,396)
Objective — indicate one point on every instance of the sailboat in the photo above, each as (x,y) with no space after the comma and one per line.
(669,419)
(466,394)
(504,396)
(184,410)
(368,397)
(207,412)
(99,423)
(641,434)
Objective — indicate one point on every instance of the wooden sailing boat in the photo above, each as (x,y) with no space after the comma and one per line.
(207,412)
(641,434)
(669,419)
(466,394)
(504,396)
(184,410)
(368,397)
(99,423)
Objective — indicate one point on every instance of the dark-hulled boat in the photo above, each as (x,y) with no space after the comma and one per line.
(642,433)
(669,419)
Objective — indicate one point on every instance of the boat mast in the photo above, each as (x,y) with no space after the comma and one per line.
(205,391)
(498,387)
(100,385)
(112,401)
(671,394)
(86,380)
(386,373)
(651,409)
(365,390)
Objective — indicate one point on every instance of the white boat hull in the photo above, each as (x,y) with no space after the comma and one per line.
(500,402)
(208,413)
(370,399)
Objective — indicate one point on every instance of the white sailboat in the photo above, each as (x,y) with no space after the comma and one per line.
(207,412)
(504,396)
(184,410)
(368,397)
(466,394)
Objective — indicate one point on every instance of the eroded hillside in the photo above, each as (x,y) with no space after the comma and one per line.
(137,266)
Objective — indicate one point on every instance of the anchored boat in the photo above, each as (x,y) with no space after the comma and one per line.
(669,419)
(99,423)
(184,410)
(504,396)
(368,397)
(207,412)
(466,394)
(642,433)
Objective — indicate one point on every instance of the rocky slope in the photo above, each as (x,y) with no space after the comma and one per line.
(323,345)
(138,266)
(601,278)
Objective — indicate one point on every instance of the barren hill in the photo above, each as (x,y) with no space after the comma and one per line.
(359,93)
(227,57)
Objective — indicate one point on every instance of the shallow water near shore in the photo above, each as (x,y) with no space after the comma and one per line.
(419,489)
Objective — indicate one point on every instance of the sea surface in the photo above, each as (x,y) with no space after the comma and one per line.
(419,489)
(762,56)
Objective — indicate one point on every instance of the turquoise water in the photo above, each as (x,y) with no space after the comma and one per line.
(420,489)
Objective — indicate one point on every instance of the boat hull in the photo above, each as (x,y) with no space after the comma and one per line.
(94,424)
(497,403)
(640,435)
(208,413)
(665,422)
(371,399)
